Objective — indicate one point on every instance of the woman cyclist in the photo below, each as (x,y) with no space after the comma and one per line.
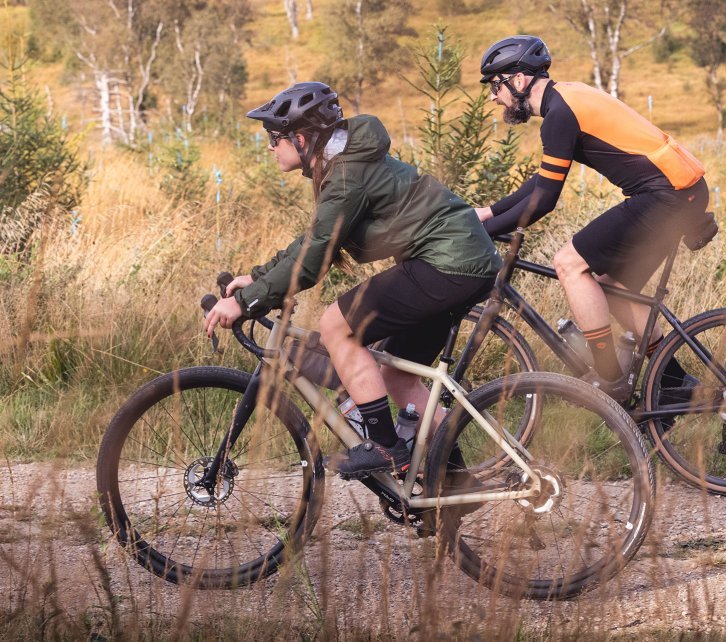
(373,207)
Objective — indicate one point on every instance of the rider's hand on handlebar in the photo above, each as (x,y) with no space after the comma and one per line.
(225,313)
(237,283)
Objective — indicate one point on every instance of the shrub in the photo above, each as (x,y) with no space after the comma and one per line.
(40,170)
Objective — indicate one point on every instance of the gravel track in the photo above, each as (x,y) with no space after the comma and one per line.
(365,572)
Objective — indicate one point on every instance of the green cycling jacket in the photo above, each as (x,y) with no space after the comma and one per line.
(375,207)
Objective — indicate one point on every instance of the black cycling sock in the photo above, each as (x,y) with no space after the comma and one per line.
(601,344)
(673,373)
(379,421)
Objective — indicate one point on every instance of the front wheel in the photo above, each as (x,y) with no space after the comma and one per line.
(597,489)
(158,446)
(693,444)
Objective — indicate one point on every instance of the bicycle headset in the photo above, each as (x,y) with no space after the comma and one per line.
(526,54)
(305,107)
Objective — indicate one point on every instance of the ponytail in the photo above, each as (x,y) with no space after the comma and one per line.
(320,170)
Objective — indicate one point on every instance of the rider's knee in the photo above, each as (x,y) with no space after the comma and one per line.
(561,262)
(567,262)
(332,322)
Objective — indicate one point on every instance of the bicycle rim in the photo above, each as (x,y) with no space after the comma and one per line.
(157,447)
(691,444)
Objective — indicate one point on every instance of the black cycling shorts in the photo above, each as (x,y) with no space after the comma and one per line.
(630,241)
(412,306)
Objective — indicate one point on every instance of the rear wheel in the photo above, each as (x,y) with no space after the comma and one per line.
(693,444)
(158,446)
(597,493)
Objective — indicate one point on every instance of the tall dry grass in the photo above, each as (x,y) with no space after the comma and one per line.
(99,312)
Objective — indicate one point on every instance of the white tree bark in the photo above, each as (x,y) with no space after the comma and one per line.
(603,32)
(104,98)
(291,11)
(717,94)
(309,9)
(361,53)
(593,42)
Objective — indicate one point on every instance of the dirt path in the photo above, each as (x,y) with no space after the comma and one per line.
(369,573)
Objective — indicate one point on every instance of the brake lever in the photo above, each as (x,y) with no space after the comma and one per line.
(208,302)
(223,280)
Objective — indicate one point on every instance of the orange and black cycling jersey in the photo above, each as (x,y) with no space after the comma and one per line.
(591,127)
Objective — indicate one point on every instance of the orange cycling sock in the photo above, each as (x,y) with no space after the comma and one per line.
(601,344)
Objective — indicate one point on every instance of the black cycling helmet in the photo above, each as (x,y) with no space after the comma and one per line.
(306,105)
(527,54)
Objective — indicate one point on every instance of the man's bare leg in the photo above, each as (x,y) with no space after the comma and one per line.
(589,307)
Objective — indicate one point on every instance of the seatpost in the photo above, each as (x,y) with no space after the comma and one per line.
(662,290)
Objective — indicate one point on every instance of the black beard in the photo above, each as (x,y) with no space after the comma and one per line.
(518,112)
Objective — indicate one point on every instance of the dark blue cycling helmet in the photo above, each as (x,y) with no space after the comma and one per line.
(527,54)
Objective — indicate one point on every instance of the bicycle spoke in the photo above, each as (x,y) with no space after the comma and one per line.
(178,425)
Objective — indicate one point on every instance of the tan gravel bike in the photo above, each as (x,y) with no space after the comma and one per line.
(213,476)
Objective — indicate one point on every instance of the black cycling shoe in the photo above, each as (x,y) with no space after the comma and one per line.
(617,389)
(368,458)
(676,395)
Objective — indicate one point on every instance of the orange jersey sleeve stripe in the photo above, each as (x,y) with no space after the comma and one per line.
(553,175)
(560,162)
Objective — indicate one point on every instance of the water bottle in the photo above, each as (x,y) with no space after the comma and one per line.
(406,423)
(624,350)
(350,411)
(575,339)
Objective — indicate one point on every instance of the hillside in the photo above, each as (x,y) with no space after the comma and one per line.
(273,57)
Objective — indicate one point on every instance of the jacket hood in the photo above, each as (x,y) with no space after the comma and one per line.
(368,139)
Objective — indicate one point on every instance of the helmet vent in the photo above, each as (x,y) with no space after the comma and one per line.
(305,99)
(283,109)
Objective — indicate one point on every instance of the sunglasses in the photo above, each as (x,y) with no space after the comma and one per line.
(275,137)
(497,84)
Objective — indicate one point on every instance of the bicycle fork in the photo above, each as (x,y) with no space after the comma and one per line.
(242,413)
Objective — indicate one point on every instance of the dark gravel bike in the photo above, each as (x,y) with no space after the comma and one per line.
(686,424)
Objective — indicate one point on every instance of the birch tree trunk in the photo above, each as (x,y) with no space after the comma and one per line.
(291,11)
(309,9)
(361,53)
(104,100)
(592,41)
(601,23)
(717,95)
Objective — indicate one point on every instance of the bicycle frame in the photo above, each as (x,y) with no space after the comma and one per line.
(274,355)
(506,294)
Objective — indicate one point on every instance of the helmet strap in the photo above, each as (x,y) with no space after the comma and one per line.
(305,157)
(521,95)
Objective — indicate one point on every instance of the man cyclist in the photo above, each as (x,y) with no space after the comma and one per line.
(664,185)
